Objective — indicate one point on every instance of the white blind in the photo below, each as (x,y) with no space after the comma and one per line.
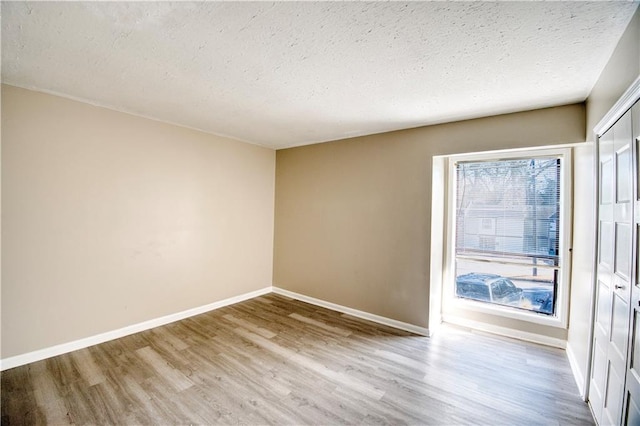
(509,209)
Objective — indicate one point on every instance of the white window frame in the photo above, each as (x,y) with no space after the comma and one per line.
(561,316)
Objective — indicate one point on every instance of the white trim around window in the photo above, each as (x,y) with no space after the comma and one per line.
(451,302)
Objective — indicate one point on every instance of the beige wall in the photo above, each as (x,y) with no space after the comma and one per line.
(622,69)
(353,217)
(110,219)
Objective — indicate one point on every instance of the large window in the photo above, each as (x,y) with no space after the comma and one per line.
(508,232)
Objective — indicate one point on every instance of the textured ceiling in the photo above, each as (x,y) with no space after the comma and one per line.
(294,73)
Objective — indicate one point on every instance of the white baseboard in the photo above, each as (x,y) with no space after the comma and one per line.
(506,332)
(52,351)
(354,312)
(575,369)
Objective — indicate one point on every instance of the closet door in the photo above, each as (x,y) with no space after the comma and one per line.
(599,370)
(611,329)
(632,397)
(622,262)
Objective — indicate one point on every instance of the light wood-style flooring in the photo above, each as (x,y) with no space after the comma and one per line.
(272,360)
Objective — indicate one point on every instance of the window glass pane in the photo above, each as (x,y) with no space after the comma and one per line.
(507,231)
(508,206)
(507,285)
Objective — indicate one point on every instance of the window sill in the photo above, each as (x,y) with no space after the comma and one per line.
(503,311)
(540,339)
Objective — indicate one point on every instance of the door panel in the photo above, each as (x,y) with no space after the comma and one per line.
(633,412)
(613,397)
(598,377)
(605,249)
(636,255)
(603,314)
(632,395)
(624,181)
(623,251)
(635,345)
(620,326)
(606,181)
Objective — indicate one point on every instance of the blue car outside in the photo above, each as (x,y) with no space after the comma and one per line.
(488,288)
(497,289)
(541,299)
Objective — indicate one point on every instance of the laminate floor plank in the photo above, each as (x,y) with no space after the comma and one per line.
(274,360)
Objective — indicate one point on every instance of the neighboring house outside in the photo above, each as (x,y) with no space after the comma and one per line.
(509,230)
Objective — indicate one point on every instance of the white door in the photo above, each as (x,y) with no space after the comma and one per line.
(611,329)
(632,397)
